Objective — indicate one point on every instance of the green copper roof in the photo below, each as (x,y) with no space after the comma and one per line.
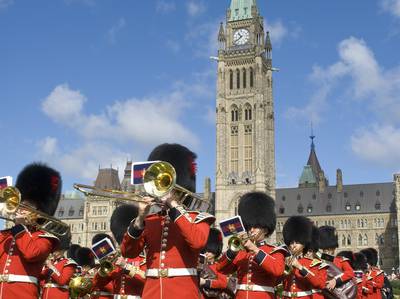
(307,177)
(241,9)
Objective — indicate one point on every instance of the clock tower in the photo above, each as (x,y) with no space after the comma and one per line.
(245,108)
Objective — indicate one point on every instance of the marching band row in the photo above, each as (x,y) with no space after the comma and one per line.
(174,252)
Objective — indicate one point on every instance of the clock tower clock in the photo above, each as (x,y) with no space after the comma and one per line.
(245,108)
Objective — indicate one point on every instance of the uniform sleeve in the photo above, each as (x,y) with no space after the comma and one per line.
(133,242)
(227,263)
(100,282)
(316,278)
(220,282)
(65,276)
(348,273)
(273,264)
(195,234)
(32,247)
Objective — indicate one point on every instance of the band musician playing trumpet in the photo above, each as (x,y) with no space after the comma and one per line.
(303,276)
(57,272)
(173,237)
(213,283)
(127,277)
(258,265)
(24,248)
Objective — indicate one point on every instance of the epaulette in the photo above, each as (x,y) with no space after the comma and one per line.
(281,248)
(315,262)
(379,272)
(48,235)
(71,262)
(323,265)
(204,217)
(343,259)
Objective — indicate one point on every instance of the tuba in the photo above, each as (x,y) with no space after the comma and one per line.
(10,202)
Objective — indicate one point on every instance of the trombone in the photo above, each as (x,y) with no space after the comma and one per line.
(158,180)
(10,200)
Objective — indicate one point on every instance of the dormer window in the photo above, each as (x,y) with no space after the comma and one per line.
(71,212)
(281,210)
(309,208)
(347,206)
(300,209)
(329,208)
(377,205)
(358,206)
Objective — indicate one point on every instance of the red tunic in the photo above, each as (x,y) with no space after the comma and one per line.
(253,271)
(363,288)
(321,268)
(344,264)
(23,253)
(55,284)
(121,282)
(377,282)
(303,282)
(171,241)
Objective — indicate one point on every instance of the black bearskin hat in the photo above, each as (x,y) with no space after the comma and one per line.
(360,262)
(65,241)
(372,256)
(328,237)
(298,229)
(257,209)
(182,159)
(99,237)
(347,254)
(120,220)
(85,257)
(314,245)
(214,242)
(41,185)
(72,251)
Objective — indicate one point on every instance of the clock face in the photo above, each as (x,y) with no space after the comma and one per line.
(241,36)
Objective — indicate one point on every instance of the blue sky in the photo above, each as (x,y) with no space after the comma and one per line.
(85,83)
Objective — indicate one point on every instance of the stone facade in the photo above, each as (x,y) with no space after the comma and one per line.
(245,156)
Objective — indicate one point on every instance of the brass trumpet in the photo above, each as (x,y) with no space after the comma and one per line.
(10,198)
(236,242)
(80,286)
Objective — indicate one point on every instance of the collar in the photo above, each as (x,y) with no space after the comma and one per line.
(327,257)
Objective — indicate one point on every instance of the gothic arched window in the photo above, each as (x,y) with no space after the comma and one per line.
(230,79)
(247,112)
(348,240)
(234,113)
(237,78)
(360,240)
(300,209)
(365,240)
(251,77)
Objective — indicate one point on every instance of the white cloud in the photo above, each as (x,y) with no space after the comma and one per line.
(195,8)
(165,6)
(392,7)
(203,38)
(123,121)
(114,30)
(5,3)
(48,146)
(83,161)
(279,31)
(367,86)
(378,144)
(64,105)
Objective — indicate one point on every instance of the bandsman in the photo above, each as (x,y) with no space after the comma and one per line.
(24,248)
(259,265)
(173,237)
